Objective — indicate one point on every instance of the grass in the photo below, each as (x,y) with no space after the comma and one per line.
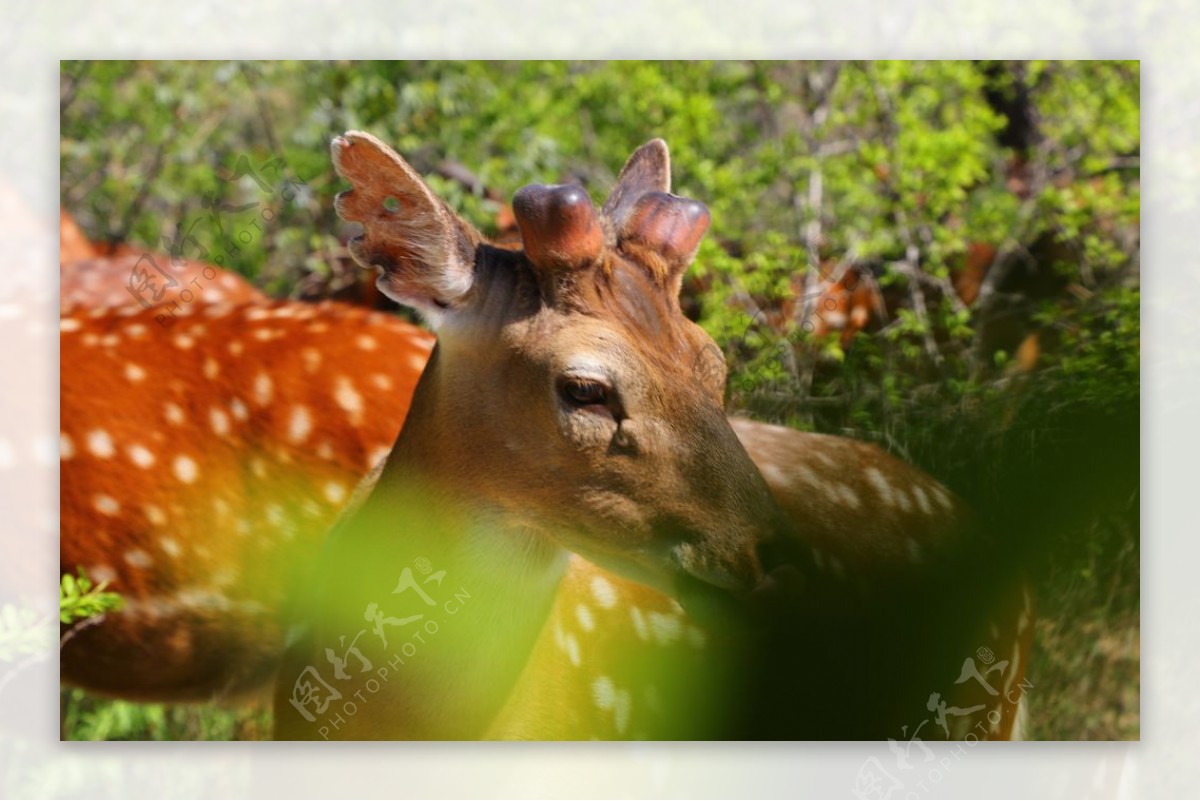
(86,717)
(1086,661)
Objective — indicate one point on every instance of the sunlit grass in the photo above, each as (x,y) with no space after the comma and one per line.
(86,717)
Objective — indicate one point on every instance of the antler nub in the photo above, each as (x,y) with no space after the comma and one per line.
(559,226)
(672,225)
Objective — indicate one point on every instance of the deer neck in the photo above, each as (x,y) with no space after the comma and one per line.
(450,672)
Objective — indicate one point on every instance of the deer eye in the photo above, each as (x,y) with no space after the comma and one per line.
(583,392)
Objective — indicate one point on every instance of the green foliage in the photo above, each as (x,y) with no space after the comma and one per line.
(79,599)
(89,718)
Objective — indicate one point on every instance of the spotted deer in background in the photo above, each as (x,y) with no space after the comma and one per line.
(200,465)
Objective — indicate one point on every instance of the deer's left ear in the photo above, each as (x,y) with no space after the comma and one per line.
(426,251)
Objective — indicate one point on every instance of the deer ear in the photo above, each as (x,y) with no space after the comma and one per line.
(426,251)
(648,170)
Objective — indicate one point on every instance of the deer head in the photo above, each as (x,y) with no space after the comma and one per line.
(567,388)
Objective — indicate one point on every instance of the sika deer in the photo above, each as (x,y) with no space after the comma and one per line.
(563,410)
(200,466)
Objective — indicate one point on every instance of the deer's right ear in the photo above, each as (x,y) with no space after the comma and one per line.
(427,252)
(648,170)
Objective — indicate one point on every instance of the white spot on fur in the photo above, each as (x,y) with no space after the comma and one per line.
(584,616)
(102,573)
(155,515)
(211,368)
(808,476)
(220,421)
(173,413)
(239,410)
(604,592)
(136,557)
(573,650)
(881,485)
(366,342)
(170,547)
(66,447)
(942,497)
(184,342)
(639,623)
(134,372)
(376,456)
(335,492)
(100,443)
(666,628)
(922,499)
(622,708)
(300,424)
(262,389)
(836,320)
(185,469)
(381,381)
(604,694)
(68,325)
(312,359)
(347,397)
(141,456)
(106,505)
